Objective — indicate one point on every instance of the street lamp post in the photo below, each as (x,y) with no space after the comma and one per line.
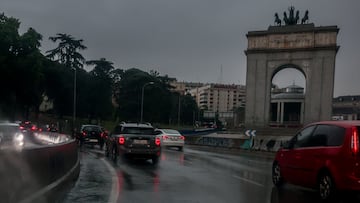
(74,104)
(142,100)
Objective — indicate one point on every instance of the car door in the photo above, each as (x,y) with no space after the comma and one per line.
(323,146)
(292,157)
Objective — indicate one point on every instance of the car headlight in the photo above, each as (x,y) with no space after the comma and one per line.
(19,139)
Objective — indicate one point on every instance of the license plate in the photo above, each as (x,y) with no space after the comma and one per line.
(140,142)
(93,140)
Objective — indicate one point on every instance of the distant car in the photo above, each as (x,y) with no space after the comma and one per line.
(134,140)
(28,126)
(47,128)
(324,156)
(92,134)
(11,136)
(171,138)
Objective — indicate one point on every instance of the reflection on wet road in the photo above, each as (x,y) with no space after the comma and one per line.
(189,176)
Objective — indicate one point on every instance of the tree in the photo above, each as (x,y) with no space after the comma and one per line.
(21,64)
(157,97)
(101,83)
(67,51)
(67,54)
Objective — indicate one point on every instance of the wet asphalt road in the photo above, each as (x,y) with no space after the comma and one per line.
(188,177)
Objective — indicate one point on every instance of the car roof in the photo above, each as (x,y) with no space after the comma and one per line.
(8,124)
(142,125)
(342,123)
(83,126)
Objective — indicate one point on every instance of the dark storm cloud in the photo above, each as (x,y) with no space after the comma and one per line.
(186,39)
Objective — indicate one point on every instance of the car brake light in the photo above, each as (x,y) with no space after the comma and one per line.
(165,137)
(121,140)
(84,133)
(182,137)
(33,128)
(22,128)
(157,141)
(355,140)
(102,134)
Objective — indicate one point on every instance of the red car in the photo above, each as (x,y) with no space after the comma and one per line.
(324,156)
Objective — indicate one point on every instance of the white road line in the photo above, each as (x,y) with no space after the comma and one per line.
(249,181)
(113,197)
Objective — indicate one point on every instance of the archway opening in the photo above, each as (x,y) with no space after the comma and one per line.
(287,97)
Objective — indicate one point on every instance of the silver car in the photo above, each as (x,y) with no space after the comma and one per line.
(171,138)
(11,136)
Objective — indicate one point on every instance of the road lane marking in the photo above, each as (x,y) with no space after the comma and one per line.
(249,181)
(51,186)
(113,197)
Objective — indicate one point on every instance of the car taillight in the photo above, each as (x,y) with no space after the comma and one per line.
(355,140)
(83,133)
(165,137)
(102,134)
(33,128)
(157,141)
(182,137)
(21,127)
(121,140)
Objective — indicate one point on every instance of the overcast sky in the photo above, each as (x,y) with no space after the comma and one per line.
(187,39)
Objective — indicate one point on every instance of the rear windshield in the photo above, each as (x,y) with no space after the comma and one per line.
(91,128)
(169,131)
(139,131)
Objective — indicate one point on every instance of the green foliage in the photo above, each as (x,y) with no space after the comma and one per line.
(160,103)
(21,64)
(26,76)
(66,52)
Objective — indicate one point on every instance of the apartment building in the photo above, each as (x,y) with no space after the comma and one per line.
(183,87)
(219,98)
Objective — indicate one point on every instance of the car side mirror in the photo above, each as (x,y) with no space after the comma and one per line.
(287,144)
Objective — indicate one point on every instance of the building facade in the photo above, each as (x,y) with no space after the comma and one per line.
(219,99)
(346,108)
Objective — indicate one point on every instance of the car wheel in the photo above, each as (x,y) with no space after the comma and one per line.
(325,186)
(276,175)
(114,153)
(155,160)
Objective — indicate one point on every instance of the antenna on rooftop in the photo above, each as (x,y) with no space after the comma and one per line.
(220,79)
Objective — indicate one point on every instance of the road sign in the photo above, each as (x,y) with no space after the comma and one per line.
(250,133)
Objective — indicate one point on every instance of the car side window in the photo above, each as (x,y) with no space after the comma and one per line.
(328,135)
(319,137)
(303,137)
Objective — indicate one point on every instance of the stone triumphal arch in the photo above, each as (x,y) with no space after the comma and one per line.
(305,47)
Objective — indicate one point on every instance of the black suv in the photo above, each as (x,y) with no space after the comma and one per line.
(92,134)
(134,140)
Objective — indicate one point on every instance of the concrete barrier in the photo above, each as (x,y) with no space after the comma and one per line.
(238,141)
(35,174)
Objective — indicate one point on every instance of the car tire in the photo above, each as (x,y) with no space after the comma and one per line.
(326,186)
(114,153)
(155,160)
(276,175)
